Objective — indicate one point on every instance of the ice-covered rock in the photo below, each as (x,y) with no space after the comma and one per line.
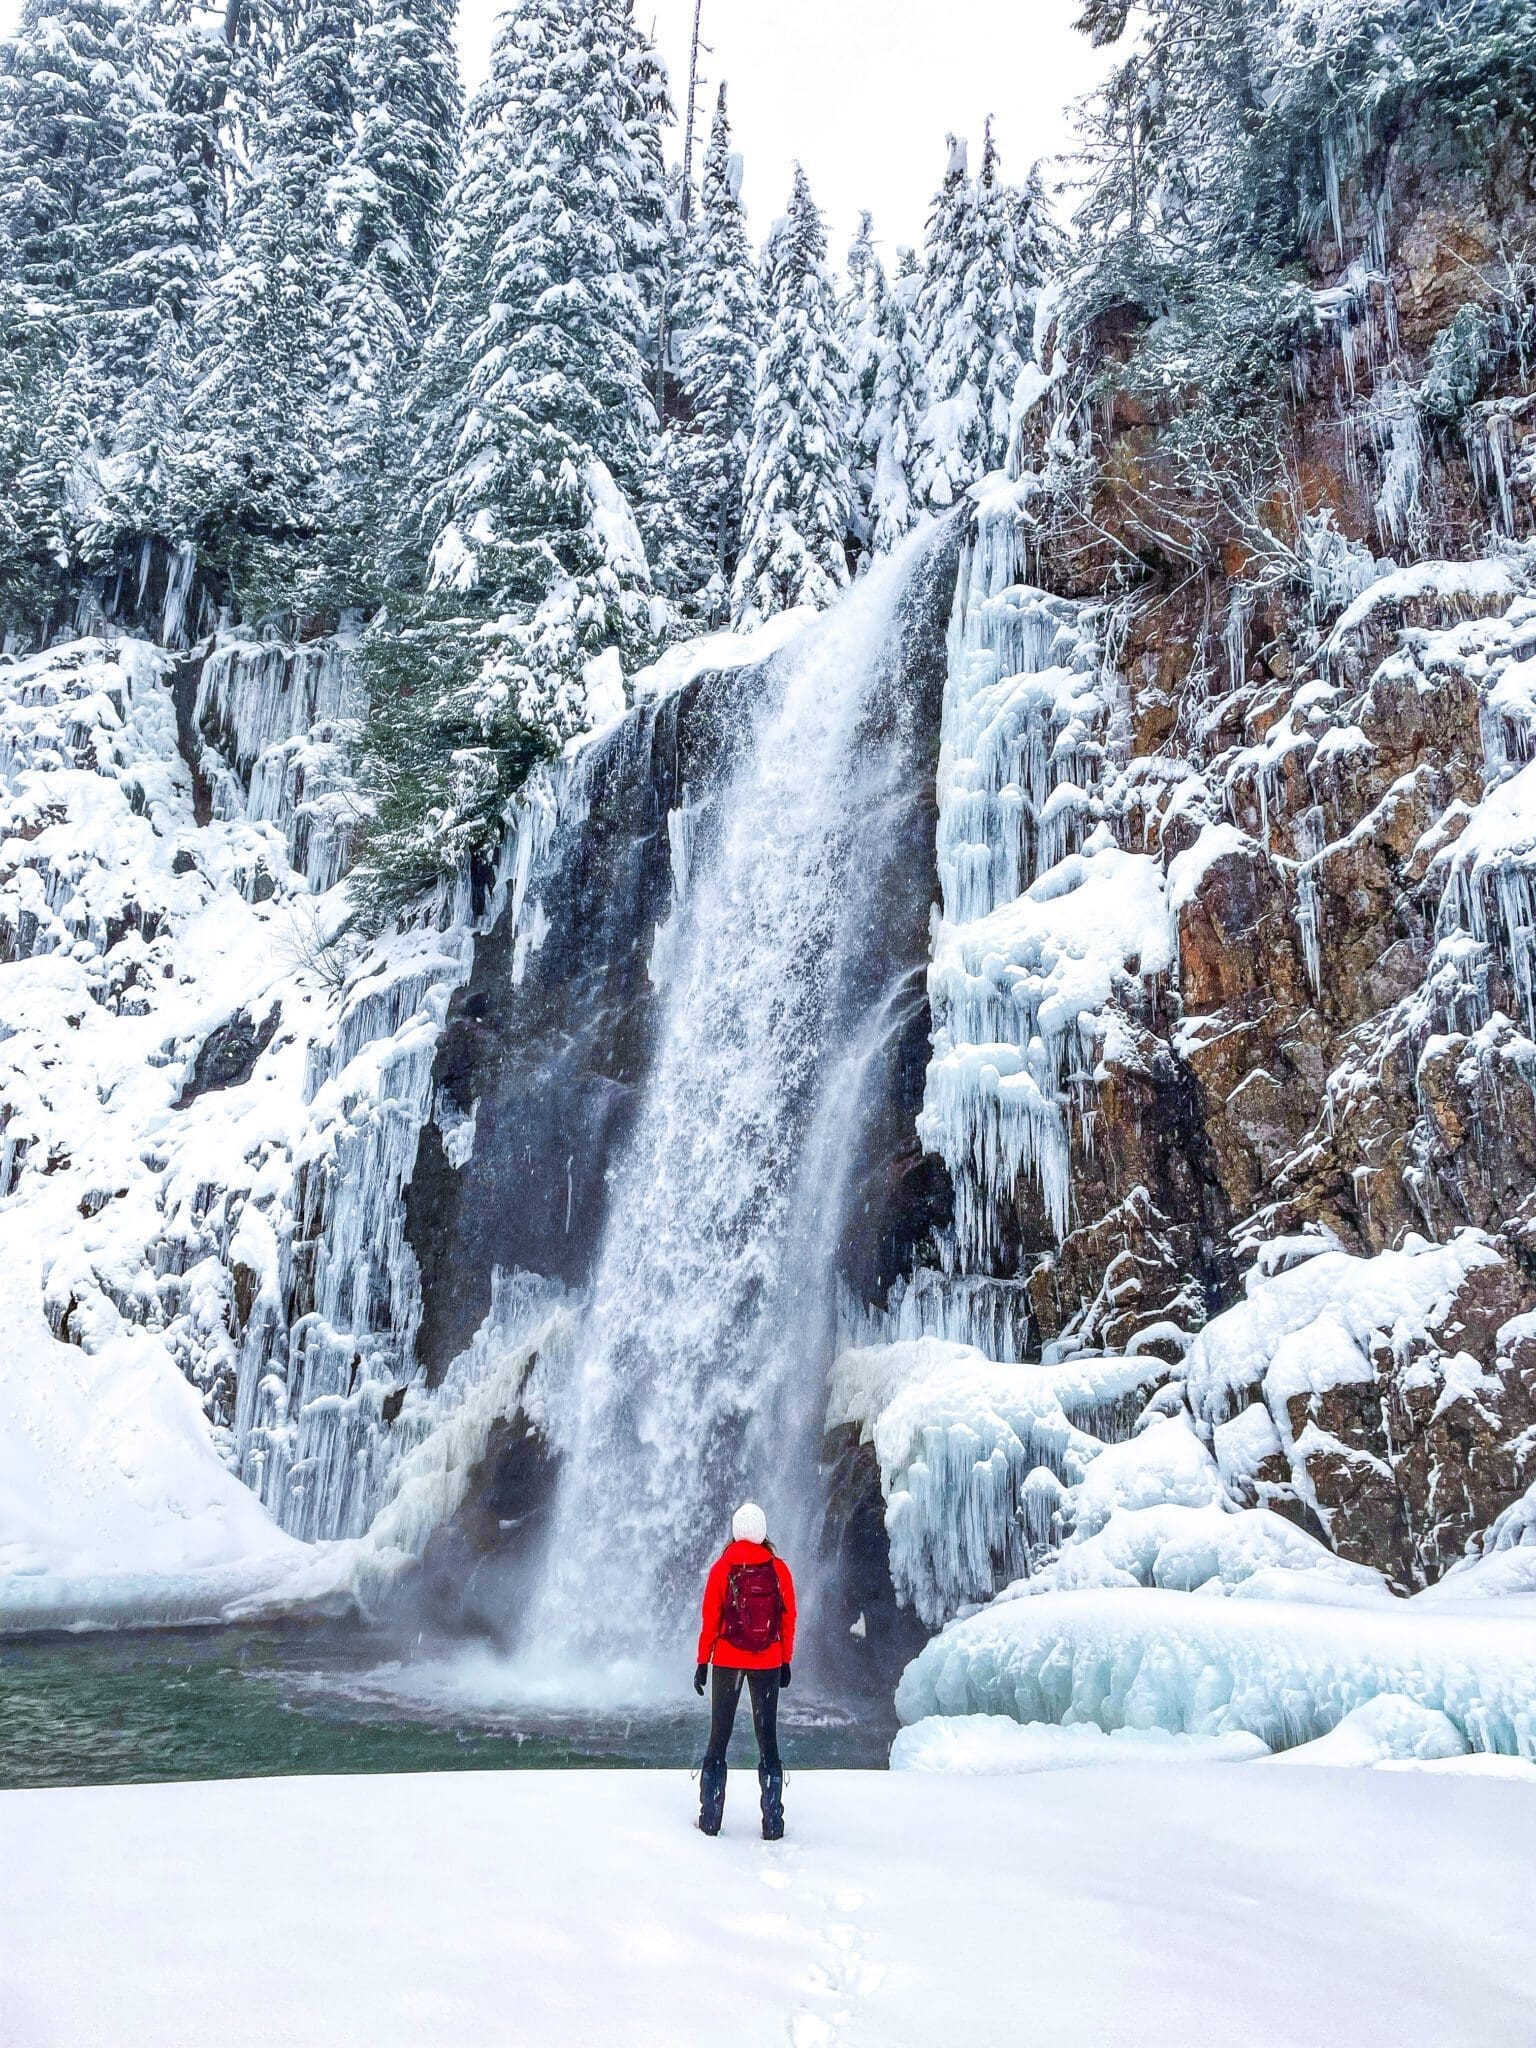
(1176,1661)
(1386,1729)
(979,1461)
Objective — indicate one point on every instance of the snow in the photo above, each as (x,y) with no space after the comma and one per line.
(1164,1465)
(711,653)
(989,1745)
(1188,1548)
(113,1503)
(158,1233)
(1313,1326)
(1285,1671)
(1388,1729)
(1487,581)
(1162,1906)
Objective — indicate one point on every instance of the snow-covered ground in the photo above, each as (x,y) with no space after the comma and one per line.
(1130,1908)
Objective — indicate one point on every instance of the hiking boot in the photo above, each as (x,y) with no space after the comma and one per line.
(711,1798)
(772,1783)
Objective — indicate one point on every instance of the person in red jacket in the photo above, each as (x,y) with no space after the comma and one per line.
(748,1633)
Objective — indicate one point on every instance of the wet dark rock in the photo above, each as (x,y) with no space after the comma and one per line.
(227,1056)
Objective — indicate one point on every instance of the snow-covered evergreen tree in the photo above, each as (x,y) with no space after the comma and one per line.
(537,433)
(944,461)
(388,198)
(165,212)
(555,418)
(890,428)
(863,315)
(650,228)
(258,458)
(694,507)
(66,103)
(863,304)
(976,311)
(799,488)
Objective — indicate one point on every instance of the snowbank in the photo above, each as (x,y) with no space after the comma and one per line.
(1158,1907)
(981,1745)
(114,1505)
(1388,1729)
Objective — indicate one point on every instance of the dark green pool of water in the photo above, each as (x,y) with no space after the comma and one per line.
(238,1703)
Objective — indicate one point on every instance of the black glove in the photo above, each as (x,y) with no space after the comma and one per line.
(784,1671)
(699,1678)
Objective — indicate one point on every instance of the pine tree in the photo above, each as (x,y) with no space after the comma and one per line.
(862,309)
(890,432)
(65,108)
(944,462)
(255,476)
(1001,302)
(388,201)
(66,101)
(41,434)
(863,315)
(977,311)
(538,427)
(489,147)
(555,419)
(165,214)
(387,197)
(647,212)
(694,506)
(392,187)
(798,483)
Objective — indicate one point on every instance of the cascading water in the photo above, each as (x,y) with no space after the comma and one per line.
(700,1377)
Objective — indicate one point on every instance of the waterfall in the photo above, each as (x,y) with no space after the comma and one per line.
(700,1376)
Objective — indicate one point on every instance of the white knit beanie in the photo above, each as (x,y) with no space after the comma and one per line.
(749,1524)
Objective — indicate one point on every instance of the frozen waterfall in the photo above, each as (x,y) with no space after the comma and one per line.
(701,1375)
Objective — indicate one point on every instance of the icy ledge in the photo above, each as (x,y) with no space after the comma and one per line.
(1285,1671)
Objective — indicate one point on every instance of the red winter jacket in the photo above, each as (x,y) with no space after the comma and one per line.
(712,1645)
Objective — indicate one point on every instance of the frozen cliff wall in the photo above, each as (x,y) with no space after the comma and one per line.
(211,1092)
(1234,1040)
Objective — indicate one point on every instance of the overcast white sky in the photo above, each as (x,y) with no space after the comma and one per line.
(862,91)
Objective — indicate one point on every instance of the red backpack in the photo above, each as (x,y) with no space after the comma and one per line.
(754,1607)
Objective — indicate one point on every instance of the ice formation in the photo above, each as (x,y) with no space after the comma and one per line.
(1286,1673)
(978,1461)
(1043,915)
(1387,1729)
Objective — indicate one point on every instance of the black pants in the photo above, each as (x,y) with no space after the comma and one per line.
(725,1691)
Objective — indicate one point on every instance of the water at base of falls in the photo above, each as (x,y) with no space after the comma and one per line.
(138,1708)
(700,1373)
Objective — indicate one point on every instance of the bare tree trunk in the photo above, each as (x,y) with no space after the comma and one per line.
(687,207)
(693,94)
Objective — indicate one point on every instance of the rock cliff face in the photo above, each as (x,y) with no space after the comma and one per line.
(1308,753)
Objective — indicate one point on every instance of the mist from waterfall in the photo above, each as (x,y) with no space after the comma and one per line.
(700,1377)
